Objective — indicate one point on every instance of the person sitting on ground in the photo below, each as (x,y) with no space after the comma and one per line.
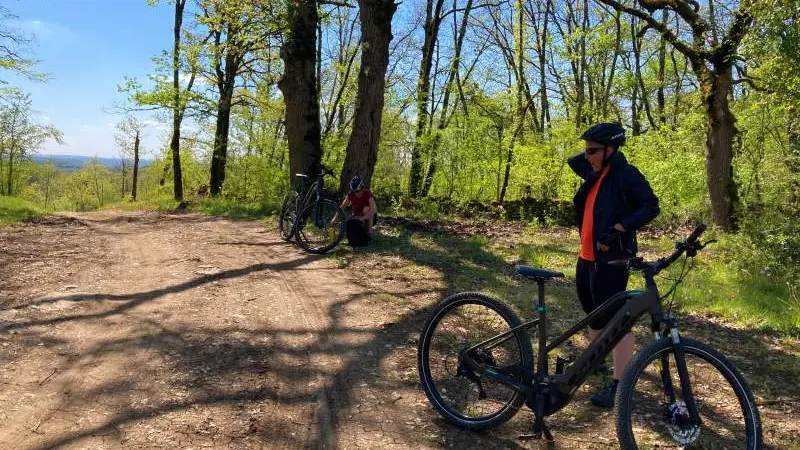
(362,202)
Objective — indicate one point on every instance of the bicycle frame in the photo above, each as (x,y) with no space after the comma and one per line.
(556,390)
(312,194)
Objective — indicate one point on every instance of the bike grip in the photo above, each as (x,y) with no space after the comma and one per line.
(696,233)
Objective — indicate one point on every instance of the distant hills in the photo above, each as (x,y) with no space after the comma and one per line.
(75,162)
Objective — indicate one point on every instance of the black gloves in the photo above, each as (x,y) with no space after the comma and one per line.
(611,238)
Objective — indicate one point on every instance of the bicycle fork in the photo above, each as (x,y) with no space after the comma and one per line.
(674,415)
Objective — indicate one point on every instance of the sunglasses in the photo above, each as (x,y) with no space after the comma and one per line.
(592,150)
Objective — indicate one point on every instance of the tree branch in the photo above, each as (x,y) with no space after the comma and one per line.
(681,46)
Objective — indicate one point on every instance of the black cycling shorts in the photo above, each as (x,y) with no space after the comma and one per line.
(597,282)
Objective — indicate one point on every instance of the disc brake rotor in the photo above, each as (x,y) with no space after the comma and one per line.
(679,424)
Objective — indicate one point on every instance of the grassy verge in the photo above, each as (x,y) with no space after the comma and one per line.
(163,204)
(714,289)
(216,207)
(14,210)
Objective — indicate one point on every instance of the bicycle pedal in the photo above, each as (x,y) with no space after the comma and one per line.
(528,436)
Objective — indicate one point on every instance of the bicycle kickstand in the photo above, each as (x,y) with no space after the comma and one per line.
(539,427)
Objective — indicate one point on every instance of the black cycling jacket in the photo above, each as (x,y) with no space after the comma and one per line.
(625,197)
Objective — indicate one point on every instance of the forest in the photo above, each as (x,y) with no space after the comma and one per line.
(465,109)
(151,295)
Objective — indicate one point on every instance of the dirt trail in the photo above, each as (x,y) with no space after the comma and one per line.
(143,330)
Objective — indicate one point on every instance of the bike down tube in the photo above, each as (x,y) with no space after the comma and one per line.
(542,309)
(609,337)
(610,303)
(500,338)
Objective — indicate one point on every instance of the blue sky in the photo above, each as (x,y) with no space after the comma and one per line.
(88,47)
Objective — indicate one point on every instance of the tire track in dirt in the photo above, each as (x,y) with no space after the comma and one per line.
(143,330)
(129,332)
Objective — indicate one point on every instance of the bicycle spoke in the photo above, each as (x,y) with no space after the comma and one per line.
(460,329)
(319,226)
(658,423)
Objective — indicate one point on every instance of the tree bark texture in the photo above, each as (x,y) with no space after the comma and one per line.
(299,88)
(220,156)
(432,23)
(177,110)
(720,133)
(362,148)
(135,165)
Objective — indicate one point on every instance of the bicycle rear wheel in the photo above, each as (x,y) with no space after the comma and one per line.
(288,215)
(648,416)
(319,226)
(461,396)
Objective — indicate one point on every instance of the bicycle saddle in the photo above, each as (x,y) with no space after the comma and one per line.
(537,274)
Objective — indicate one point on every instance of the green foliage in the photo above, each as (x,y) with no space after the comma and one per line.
(20,137)
(254,179)
(15,209)
(672,161)
(15,46)
(162,204)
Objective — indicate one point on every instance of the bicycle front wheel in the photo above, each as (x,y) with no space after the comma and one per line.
(319,226)
(652,412)
(463,397)
(288,215)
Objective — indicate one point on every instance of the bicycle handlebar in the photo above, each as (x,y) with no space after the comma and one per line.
(690,244)
(696,233)
(324,171)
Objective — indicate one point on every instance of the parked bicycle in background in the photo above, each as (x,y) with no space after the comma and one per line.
(315,222)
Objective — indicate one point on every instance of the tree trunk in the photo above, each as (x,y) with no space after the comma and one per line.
(135,166)
(720,134)
(124,171)
(500,158)
(793,158)
(177,110)
(432,22)
(520,106)
(509,157)
(362,148)
(220,155)
(299,88)
(662,74)
(545,121)
(10,184)
(444,116)
(637,53)
(636,124)
(579,115)
(617,50)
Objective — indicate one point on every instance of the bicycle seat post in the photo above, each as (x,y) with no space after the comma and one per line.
(542,310)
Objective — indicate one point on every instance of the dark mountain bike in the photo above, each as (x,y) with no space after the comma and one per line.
(316,222)
(476,365)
